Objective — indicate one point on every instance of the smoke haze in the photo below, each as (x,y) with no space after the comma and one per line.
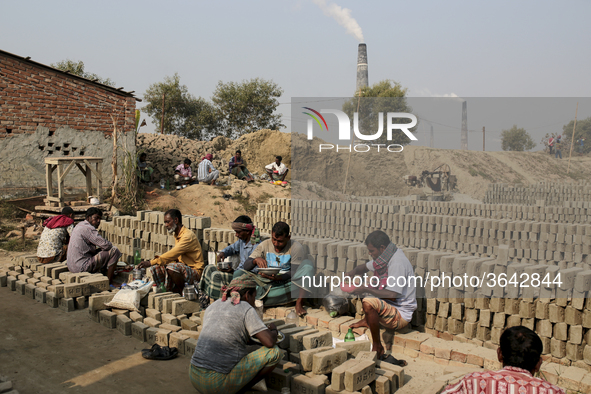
(342,16)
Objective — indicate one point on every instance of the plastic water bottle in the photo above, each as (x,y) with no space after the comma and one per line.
(350,337)
(162,183)
(292,318)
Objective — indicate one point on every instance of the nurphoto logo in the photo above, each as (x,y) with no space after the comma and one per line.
(345,129)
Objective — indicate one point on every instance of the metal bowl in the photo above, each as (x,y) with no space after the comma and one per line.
(280,338)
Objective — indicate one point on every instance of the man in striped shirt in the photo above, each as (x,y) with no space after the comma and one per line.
(519,350)
(206,172)
(88,251)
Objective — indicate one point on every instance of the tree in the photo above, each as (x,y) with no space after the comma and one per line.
(583,130)
(516,139)
(77,68)
(382,97)
(247,106)
(184,114)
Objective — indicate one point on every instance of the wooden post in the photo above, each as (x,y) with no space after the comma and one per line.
(48,179)
(572,140)
(60,186)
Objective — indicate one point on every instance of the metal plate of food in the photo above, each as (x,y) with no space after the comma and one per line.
(269,271)
(280,337)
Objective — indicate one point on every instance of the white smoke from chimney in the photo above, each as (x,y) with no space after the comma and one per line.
(342,16)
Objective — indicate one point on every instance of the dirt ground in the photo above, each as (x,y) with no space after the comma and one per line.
(208,200)
(45,350)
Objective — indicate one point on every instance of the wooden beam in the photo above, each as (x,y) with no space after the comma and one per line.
(60,185)
(81,168)
(68,168)
(96,173)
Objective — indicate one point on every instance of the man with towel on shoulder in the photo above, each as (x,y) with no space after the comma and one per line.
(222,362)
(213,278)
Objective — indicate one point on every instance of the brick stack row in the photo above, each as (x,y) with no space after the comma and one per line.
(216,239)
(551,193)
(52,284)
(276,210)
(568,212)
(146,231)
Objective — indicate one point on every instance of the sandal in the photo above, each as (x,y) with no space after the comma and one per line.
(388,358)
(157,352)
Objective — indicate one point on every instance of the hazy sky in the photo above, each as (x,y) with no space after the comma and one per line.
(464,48)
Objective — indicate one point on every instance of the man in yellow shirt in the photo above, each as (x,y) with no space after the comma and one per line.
(181,264)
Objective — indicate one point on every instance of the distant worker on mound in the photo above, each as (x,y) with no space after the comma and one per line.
(88,251)
(277,170)
(183,175)
(146,173)
(206,172)
(238,167)
(53,245)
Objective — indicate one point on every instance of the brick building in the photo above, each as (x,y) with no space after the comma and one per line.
(47,112)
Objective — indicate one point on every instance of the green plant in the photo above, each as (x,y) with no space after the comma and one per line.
(10,211)
(18,245)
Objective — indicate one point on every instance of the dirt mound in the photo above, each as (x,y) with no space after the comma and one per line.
(259,149)
(381,174)
(209,200)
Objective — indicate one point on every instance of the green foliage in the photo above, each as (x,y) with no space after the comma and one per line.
(382,97)
(516,139)
(247,106)
(583,130)
(18,245)
(184,114)
(77,68)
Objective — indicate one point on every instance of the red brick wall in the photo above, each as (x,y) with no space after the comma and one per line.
(32,96)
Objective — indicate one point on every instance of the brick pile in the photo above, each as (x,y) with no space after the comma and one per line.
(570,212)
(52,284)
(528,241)
(550,193)
(276,210)
(146,231)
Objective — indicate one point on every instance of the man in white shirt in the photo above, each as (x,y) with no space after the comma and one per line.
(206,172)
(392,297)
(277,171)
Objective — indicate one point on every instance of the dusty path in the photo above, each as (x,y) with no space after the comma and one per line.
(45,350)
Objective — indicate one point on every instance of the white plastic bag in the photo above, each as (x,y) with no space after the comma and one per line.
(129,298)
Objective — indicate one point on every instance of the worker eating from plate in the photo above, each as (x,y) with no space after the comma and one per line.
(280,286)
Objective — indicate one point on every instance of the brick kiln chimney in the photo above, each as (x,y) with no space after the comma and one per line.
(362,78)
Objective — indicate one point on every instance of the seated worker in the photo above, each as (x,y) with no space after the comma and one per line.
(221,362)
(181,264)
(280,252)
(214,278)
(88,251)
(519,351)
(53,245)
(277,171)
(206,172)
(238,167)
(389,305)
(183,175)
(146,173)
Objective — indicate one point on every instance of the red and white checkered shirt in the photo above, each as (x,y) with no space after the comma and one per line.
(509,380)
